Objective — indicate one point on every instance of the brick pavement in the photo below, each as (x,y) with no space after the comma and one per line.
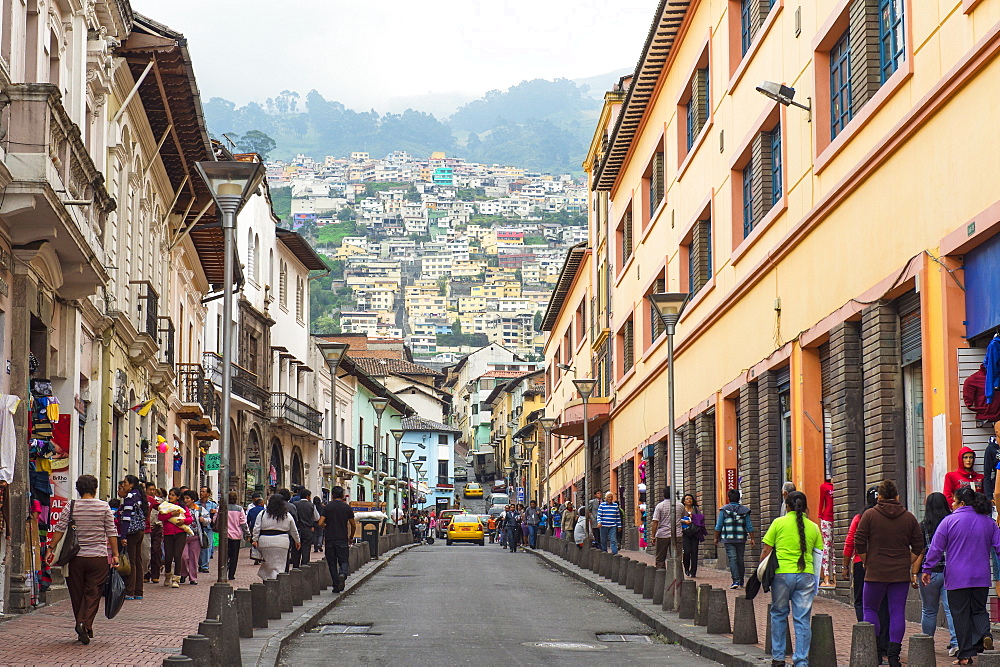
(842,614)
(140,634)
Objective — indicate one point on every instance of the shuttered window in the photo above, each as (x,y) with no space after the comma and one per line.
(698,105)
(841,105)
(748,221)
(626,237)
(700,256)
(659,286)
(628,347)
(891,37)
(908,307)
(656,184)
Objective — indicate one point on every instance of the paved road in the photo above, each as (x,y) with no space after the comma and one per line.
(466,605)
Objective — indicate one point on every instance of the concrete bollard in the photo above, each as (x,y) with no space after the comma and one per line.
(273,592)
(989,659)
(639,580)
(767,635)
(177,660)
(659,579)
(324,574)
(573,555)
(649,582)
(628,578)
(243,599)
(822,647)
(258,605)
(198,648)
(353,559)
(717,613)
(211,629)
(585,554)
(230,643)
(617,563)
(315,586)
(609,566)
(672,586)
(744,621)
(864,649)
(285,592)
(297,592)
(701,606)
(921,652)
(689,599)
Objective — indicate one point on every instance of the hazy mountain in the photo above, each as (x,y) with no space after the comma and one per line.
(596,86)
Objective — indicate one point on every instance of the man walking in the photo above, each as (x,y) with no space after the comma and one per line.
(532,516)
(663,535)
(512,527)
(595,530)
(338,526)
(733,527)
(213,510)
(609,520)
(306,517)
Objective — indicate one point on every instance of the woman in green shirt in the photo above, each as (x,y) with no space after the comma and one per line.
(792,537)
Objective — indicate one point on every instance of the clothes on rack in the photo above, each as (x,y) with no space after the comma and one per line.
(974,397)
(8,438)
(991,458)
(992,365)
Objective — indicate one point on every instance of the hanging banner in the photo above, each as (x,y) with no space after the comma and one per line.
(62,489)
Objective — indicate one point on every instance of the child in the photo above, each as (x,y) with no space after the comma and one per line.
(177,515)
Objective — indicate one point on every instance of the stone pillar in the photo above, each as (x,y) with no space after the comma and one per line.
(749,458)
(707,475)
(769,446)
(884,427)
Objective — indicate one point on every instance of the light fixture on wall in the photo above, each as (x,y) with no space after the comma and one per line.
(783,94)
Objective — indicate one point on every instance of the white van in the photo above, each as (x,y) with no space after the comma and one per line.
(501,499)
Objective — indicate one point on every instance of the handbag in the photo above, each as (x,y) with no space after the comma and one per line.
(69,545)
(124,565)
(114,593)
(203,538)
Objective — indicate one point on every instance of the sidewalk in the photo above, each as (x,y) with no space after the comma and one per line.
(842,614)
(144,632)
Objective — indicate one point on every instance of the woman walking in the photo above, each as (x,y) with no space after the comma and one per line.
(318,529)
(856,568)
(270,536)
(192,545)
(557,521)
(236,526)
(95,532)
(693,529)
(889,541)
(176,521)
(967,535)
(936,508)
(132,522)
(792,537)
(568,521)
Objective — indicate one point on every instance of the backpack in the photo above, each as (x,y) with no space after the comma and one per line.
(733,525)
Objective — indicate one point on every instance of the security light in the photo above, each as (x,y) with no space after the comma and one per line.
(783,94)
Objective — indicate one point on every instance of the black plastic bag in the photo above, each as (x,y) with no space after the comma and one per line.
(114,593)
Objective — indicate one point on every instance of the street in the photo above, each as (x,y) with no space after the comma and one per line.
(467,604)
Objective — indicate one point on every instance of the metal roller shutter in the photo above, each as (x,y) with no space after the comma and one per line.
(908,307)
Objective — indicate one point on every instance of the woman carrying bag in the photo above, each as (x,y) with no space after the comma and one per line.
(132,523)
(95,535)
(792,538)
(236,531)
(197,540)
(270,535)
(693,529)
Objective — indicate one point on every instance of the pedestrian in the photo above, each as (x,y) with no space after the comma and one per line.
(306,518)
(857,570)
(337,522)
(829,571)
(936,508)
(88,569)
(569,521)
(580,532)
(608,522)
(543,521)
(792,538)
(177,521)
(693,529)
(133,518)
(195,543)
(786,488)
(533,521)
(272,532)
(663,536)
(491,526)
(211,509)
(591,518)
(512,524)
(885,534)
(317,540)
(733,528)
(556,521)
(523,534)
(966,535)
(236,528)
(155,530)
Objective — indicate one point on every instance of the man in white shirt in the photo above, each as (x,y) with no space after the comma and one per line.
(662,535)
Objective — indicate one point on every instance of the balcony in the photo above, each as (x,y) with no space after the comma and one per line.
(245,384)
(345,458)
(292,413)
(571,420)
(198,401)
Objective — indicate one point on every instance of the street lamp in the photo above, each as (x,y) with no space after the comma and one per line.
(783,94)
(585,386)
(547,423)
(230,183)
(669,306)
(333,352)
(379,405)
(529,448)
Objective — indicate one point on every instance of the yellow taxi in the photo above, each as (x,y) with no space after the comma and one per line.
(465,528)
(473,490)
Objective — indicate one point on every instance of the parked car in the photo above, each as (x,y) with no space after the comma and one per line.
(500,499)
(443,520)
(499,486)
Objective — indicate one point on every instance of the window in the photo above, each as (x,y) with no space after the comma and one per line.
(890,36)
(625,238)
(283,286)
(656,183)
(776,186)
(696,109)
(299,300)
(785,428)
(442,472)
(748,221)
(628,346)
(841,107)
(699,251)
(656,324)
(752,16)
(251,256)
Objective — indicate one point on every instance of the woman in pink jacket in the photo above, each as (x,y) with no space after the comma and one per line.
(174,538)
(236,525)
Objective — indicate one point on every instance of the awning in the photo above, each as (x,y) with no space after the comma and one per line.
(571,419)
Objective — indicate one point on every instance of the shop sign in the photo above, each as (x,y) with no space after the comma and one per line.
(731,479)
(213,461)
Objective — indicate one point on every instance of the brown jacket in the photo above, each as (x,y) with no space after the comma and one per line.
(888,534)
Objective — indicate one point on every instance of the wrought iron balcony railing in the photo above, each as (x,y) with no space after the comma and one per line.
(294,411)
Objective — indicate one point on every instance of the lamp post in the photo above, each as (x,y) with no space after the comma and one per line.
(398,433)
(585,386)
(547,423)
(333,352)
(379,405)
(529,447)
(231,184)
(668,306)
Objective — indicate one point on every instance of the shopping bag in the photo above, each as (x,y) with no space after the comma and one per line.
(114,593)
(124,565)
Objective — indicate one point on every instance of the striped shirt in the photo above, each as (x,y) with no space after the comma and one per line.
(95,525)
(608,516)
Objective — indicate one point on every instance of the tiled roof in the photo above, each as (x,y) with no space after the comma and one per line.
(421,424)
(505,374)
(384,366)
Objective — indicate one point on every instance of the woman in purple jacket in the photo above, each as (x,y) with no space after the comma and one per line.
(967,535)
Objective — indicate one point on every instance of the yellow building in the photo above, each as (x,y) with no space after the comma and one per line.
(838,257)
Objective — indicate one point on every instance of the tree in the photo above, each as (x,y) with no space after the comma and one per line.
(538,320)
(456,327)
(324,324)
(412,194)
(345,214)
(256,141)
(442,286)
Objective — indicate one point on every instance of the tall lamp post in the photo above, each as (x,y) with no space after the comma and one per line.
(529,448)
(418,466)
(333,352)
(547,423)
(379,404)
(231,184)
(586,388)
(669,306)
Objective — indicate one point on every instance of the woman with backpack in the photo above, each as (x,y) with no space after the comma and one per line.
(132,522)
(792,537)
(693,531)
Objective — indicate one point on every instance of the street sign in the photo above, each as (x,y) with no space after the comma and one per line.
(520,494)
(212,461)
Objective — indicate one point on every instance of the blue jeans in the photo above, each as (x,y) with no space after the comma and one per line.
(930,595)
(609,538)
(206,554)
(798,590)
(735,552)
(532,531)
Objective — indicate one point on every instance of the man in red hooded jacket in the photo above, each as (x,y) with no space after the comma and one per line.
(966,474)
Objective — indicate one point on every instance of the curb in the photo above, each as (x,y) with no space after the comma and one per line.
(718,648)
(271,652)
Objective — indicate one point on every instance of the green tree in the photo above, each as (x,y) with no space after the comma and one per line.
(442,283)
(345,214)
(256,141)
(538,320)
(324,324)
(412,194)
(456,327)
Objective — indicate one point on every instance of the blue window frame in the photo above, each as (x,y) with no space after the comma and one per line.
(690,123)
(708,249)
(746,27)
(747,199)
(775,137)
(891,39)
(840,85)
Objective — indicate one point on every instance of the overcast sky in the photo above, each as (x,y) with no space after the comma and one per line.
(365,53)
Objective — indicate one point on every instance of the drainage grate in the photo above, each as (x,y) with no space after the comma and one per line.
(565,646)
(638,639)
(342,629)
(167,649)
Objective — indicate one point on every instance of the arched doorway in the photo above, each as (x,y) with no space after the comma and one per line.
(253,471)
(276,469)
(297,474)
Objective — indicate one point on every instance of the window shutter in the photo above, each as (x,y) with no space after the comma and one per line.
(657,185)
(700,255)
(659,286)
(627,238)
(908,307)
(783,377)
(628,347)
(700,101)
(866,71)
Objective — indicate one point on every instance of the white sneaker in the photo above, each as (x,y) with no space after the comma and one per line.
(953,651)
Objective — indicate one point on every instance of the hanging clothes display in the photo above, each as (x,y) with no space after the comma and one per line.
(8,439)
(974,397)
(992,365)
(43,406)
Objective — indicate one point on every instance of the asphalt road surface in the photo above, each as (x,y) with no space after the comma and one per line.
(470,605)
